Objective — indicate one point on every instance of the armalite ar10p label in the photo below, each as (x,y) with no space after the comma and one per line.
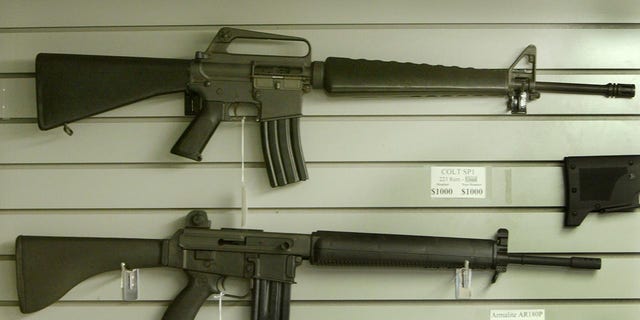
(458,182)
(529,314)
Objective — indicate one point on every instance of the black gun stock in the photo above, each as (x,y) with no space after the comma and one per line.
(48,267)
(73,87)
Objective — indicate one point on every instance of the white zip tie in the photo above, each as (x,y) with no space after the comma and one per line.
(243,186)
(4,108)
(219,297)
(242,149)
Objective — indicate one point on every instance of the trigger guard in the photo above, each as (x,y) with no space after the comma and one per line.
(221,288)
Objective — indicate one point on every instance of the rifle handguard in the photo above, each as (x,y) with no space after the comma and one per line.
(368,249)
(344,76)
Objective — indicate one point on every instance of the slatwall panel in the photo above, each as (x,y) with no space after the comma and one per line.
(369,159)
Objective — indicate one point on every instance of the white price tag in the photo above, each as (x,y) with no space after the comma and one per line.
(458,182)
(527,314)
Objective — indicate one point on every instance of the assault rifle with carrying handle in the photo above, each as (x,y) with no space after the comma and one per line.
(72,87)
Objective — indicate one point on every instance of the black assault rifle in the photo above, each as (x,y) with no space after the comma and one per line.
(48,267)
(72,87)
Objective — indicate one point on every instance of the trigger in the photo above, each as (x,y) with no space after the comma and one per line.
(219,287)
(192,103)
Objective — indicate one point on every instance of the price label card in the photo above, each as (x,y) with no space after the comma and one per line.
(529,314)
(458,182)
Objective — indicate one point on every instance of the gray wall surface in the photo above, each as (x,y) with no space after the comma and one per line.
(369,159)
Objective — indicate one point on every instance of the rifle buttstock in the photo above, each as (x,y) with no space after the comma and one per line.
(71,87)
(48,267)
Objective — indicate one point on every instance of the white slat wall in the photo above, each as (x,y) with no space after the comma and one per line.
(368,159)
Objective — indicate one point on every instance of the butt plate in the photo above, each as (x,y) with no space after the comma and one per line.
(600,184)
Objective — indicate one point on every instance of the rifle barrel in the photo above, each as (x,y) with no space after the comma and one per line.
(609,90)
(573,262)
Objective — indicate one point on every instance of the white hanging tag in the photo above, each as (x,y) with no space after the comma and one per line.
(243,187)
(129,282)
(4,108)
(463,282)
(219,297)
(245,209)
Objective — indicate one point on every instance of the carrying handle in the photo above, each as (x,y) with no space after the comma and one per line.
(195,138)
(226,35)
